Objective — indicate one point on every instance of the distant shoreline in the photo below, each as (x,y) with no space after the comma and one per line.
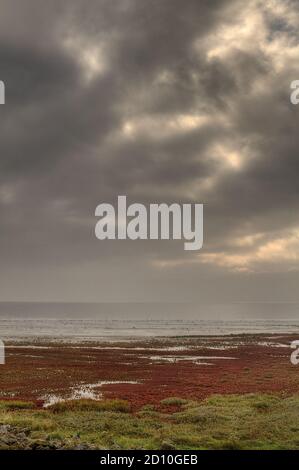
(81,340)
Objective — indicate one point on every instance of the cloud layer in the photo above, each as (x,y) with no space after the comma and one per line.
(165,101)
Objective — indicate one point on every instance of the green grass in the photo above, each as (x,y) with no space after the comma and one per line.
(254,421)
(120,406)
(175,401)
(16,405)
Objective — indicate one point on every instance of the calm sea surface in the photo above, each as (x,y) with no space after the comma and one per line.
(97,321)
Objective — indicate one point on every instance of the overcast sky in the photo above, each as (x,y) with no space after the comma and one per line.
(164,101)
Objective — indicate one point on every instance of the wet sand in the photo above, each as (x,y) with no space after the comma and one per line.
(147,371)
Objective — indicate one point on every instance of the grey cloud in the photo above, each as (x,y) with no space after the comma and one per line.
(63,149)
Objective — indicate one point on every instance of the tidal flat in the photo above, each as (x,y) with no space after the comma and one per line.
(235,391)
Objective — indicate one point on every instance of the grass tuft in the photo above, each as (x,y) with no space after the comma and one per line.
(120,406)
(174,401)
(16,405)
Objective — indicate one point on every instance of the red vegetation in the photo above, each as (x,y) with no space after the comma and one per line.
(31,373)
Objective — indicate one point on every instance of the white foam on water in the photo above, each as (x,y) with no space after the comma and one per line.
(273,345)
(195,359)
(87,391)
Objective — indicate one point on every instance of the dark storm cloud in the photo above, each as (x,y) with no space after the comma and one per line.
(162,101)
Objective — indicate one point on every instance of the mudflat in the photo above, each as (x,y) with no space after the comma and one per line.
(146,371)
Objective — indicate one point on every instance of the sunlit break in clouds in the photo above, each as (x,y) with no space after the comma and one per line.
(103,99)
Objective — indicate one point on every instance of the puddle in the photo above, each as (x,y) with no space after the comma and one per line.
(273,345)
(87,391)
(28,347)
(195,359)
